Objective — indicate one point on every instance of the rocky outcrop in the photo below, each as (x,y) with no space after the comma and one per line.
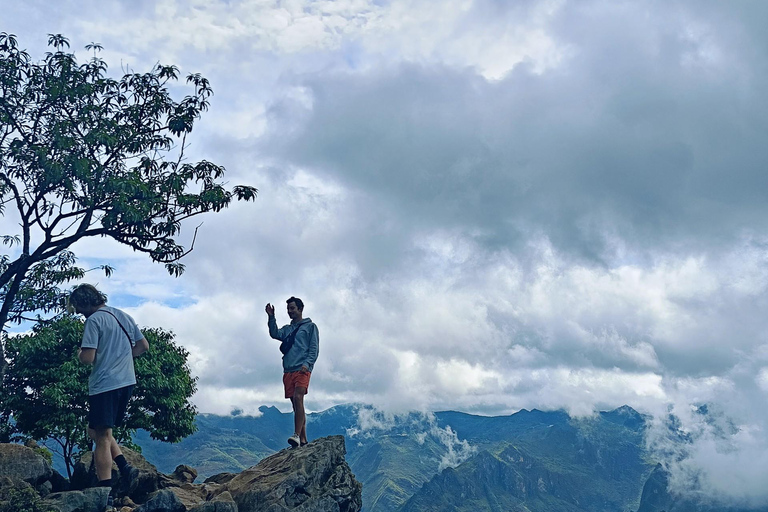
(312,478)
(147,481)
(92,499)
(20,463)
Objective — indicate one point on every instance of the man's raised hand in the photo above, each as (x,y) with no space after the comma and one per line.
(270,309)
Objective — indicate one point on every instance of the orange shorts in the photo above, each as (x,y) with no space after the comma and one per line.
(293,380)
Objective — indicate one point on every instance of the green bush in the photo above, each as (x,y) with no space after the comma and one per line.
(22,499)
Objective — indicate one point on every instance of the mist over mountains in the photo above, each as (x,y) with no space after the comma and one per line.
(451,461)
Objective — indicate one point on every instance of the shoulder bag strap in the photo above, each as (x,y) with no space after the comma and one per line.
(290,340)
(118,323)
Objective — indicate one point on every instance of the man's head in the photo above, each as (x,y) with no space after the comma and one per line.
(295,308)
(85,300)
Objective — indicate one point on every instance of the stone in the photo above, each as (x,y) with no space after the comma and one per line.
(128,502)
(221,503)
(146,482)
(314,478)
(83,474)
(58,482)
(20,463)
(184,473)
(44,488)
(190,495)
(216,506)
(162,501)
(88,500)
(220,478)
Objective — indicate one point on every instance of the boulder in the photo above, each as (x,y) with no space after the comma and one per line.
(146,482)
(58,482)
(89,500)
(20,463)
(190,495)
(313,478)
(162,501)
(221,503)
(184,473)
(44,488)
(83,473)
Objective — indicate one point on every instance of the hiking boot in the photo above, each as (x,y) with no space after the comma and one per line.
(128,474)
(294,440)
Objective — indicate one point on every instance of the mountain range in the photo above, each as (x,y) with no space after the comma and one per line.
(532,461)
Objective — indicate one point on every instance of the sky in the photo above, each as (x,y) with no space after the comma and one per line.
(485,205)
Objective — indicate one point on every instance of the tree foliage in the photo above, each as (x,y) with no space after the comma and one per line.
(86,155)
(47,388)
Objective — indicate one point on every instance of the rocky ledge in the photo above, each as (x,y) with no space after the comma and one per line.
(313,478)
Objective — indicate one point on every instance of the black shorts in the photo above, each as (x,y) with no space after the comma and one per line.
(107,410)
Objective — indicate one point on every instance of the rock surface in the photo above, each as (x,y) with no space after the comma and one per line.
(185,474)
(147,481)
(314,478)
(162,501)
(20,463)
(87,500)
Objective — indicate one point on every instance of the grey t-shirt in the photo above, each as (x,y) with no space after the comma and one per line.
(113,365)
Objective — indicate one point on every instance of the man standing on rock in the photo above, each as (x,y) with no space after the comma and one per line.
(111,339)
(300,347)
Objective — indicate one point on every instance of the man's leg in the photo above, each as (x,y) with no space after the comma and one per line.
(109,409)
(102,454)
(123,396)
(299,416)
(114,449)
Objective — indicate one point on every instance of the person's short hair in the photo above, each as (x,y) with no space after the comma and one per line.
(86,296)
(297,301)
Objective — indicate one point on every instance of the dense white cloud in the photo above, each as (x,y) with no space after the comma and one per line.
(485,205)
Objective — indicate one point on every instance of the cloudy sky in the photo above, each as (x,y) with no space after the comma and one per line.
(486,205)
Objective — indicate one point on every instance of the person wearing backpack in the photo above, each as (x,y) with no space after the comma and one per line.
(111,339)
(300,347)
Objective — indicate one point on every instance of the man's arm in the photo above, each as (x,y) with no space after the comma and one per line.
(140,347)
(274,332)
(87,352)
(86,355)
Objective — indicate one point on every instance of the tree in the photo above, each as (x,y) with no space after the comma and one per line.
(47,389)
(85,155)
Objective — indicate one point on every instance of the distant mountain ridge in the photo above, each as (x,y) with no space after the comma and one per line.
(532,461)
